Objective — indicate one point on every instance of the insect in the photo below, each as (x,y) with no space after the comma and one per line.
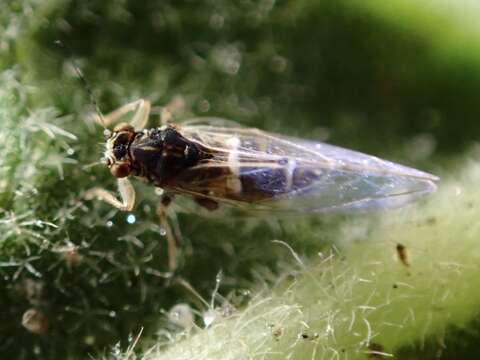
(402,254)
(217,161)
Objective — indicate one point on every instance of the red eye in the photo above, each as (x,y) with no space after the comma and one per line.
(124,127)
(120,170)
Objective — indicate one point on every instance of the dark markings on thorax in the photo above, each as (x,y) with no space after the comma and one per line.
(161,155)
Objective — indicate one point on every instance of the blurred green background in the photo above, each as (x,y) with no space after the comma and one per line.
(398,79)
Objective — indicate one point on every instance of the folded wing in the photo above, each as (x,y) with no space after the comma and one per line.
(275,172)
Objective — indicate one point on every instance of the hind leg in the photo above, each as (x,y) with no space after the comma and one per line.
(170,235)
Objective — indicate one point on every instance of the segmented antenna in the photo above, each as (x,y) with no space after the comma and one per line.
(84,81)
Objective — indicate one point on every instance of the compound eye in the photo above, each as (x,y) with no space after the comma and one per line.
(120,151)
(124,127)
(120,170)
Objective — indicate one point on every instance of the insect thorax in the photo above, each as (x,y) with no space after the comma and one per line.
(158,155)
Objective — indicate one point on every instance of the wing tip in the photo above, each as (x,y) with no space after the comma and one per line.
(424,188)
(430,185)
(430,177)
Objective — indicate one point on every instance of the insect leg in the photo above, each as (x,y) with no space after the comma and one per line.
(208,204)
(171,243)
(127,195)
(167,111)
(141,108)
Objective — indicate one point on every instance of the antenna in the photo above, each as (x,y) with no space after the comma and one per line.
(84,81)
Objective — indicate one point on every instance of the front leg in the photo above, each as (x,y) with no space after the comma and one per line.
(127,195)
(141,109)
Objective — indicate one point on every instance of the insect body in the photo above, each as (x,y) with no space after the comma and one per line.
(216,161)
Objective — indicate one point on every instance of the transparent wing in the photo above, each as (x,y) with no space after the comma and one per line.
(210,122)
(275,172)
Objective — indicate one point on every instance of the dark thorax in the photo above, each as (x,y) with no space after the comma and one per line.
(159,155)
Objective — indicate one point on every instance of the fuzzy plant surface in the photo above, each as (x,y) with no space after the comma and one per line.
(79,279)
(405,277)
